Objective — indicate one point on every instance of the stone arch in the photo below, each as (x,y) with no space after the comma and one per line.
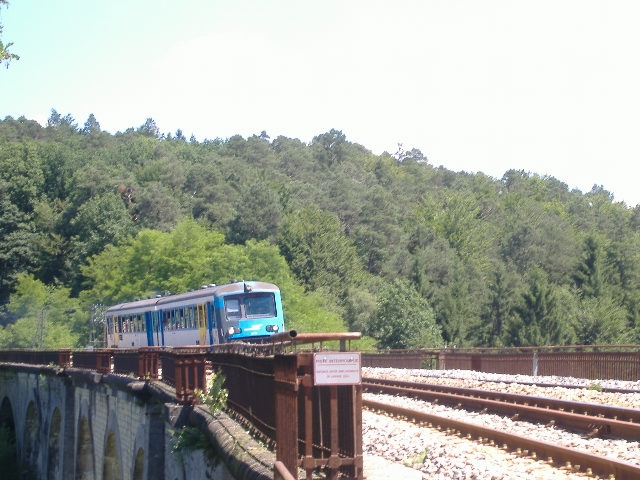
(54,462)
(9,455)
(30,443)
(84,454)
(111,468)
(138,465)
(6,416)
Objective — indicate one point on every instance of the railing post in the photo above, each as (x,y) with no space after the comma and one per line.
(190,374)
(181,390)
(286,411)
(64,357)
(309,462)
(148,363)
(103,360)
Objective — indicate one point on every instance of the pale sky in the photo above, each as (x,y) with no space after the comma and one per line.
(548,86)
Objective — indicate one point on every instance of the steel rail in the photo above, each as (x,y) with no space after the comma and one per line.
(596,419)
(535,449)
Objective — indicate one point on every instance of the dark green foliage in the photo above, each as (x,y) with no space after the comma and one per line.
(403,319)
(537,319)
(258,214)
(519,260)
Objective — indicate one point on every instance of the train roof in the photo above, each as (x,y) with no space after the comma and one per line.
(187,298)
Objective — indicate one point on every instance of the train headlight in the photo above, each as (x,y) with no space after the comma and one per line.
(272,328)
(234,330)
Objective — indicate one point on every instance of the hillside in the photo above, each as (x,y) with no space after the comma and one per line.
(408,253)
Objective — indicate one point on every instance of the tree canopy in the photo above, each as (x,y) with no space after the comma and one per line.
(409,254)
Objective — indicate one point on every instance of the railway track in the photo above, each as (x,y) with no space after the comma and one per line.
(590,419)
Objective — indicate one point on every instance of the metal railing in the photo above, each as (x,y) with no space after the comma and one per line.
(271,388)
(595,362)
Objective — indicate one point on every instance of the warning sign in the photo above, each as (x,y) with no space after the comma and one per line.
(337,368)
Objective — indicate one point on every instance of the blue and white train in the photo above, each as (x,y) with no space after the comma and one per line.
(245,311)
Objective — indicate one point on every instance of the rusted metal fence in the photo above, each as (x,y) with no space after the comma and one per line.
(401,359)
(185,369)
(313,426)
(37,357)
(620,362)
(592,365)
(99,359)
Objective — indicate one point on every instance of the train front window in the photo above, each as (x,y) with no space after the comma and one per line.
(260,305)
(250,306)
(232,307)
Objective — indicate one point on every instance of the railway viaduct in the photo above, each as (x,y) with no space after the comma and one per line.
(72,423)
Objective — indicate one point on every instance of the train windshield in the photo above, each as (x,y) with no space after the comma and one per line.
(250,306)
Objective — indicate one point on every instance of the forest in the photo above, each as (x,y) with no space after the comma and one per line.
(410,254)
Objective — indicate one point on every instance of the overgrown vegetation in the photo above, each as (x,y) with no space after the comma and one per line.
(215,397)
(188,439)
(410,254)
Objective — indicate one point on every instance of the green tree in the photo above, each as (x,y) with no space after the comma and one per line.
(258,214)
(601,321)
(17,237)
(378,229)
(149,128)
(457,217)
(46,317)
(210,196)
(404,319)
(103,220)
(538,316)
(329,148)
(5,55)
(321,256)
(91,126)
(189,256)
(156,207)
(589,275)
(497,312)
(21,170)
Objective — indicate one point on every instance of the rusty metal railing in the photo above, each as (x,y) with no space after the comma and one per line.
(185,369)
(312,427)
(619,362)
(315,426)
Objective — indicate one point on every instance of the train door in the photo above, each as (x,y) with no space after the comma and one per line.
(112,331)
(148,327)
(212,324)
(159,328)
(201,323)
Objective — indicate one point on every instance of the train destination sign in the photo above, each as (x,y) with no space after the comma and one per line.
(337,368)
